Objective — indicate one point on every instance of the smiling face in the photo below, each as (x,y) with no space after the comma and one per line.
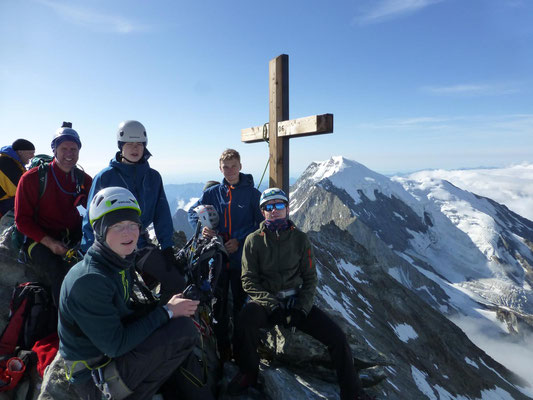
(122,237)
(230,169)
(132,152)
(66,155)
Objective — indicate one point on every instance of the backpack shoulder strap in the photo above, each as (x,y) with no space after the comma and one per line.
(43,177)
(79,175)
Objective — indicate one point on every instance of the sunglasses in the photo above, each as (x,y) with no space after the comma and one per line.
(277,206)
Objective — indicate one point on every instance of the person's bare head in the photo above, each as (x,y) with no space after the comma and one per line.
(230,165)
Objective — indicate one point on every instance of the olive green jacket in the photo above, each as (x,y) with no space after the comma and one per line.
(273,262)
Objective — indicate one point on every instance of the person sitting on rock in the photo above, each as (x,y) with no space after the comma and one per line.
(128,353)
(279,275)
(130,169)
(12,165)
(47,214)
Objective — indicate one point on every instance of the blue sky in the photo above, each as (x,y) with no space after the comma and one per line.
(413,84)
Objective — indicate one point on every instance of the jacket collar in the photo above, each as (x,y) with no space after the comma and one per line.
(109,258)
(141,167)
(282,234)
(245,180)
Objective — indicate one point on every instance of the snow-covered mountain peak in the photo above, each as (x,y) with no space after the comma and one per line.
(356,180)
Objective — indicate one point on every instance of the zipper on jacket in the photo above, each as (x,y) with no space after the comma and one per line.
(125,284)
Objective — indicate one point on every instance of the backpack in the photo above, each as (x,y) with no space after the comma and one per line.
(32,317)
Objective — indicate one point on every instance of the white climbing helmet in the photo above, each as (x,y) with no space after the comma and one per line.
(207,215)
(111,199)
(132,131)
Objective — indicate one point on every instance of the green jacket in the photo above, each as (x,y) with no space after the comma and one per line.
(273,262)
(96,299)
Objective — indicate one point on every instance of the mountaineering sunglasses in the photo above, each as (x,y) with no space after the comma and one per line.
(277,206)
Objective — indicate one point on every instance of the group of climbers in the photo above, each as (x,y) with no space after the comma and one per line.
(108,346)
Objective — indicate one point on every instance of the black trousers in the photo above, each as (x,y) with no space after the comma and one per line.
(146,368)
(49,268)
(228,278)
(317,324)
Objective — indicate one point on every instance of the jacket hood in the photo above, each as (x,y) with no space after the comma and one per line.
(143,160)
(116,163)
(8,150)
(244,181)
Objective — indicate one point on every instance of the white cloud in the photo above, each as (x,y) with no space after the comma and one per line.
(515,355)
(93,20)
(472,89)
(388,9)
(486,126)
(510,186)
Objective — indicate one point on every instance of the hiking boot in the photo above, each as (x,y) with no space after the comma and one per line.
(241,382)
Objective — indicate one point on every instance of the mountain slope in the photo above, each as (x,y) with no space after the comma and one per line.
(461,253)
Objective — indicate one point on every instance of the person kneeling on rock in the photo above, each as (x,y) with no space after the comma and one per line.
(279,275)
(128,354)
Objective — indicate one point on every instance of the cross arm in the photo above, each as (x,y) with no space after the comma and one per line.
(306,126)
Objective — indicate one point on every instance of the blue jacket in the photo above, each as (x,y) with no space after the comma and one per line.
(95,297)
(147,186)
(238,210)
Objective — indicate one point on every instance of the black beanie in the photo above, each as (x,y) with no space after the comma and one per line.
(22,144)
(101,225)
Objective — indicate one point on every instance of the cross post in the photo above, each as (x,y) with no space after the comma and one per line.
(280,129)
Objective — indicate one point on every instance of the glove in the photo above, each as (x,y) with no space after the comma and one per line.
(296,317)
(277,316)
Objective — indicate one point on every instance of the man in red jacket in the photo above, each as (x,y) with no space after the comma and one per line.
(47,213)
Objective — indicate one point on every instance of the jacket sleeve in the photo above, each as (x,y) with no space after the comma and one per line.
(258,215)
(309,276)
(251,279)
(26,206)
(87,184)
(163,225)
(87,230)
(90,303)
(255,216)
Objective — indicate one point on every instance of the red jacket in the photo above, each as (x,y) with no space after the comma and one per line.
(54,212)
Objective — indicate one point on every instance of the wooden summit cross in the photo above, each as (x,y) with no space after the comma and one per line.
(282,128)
